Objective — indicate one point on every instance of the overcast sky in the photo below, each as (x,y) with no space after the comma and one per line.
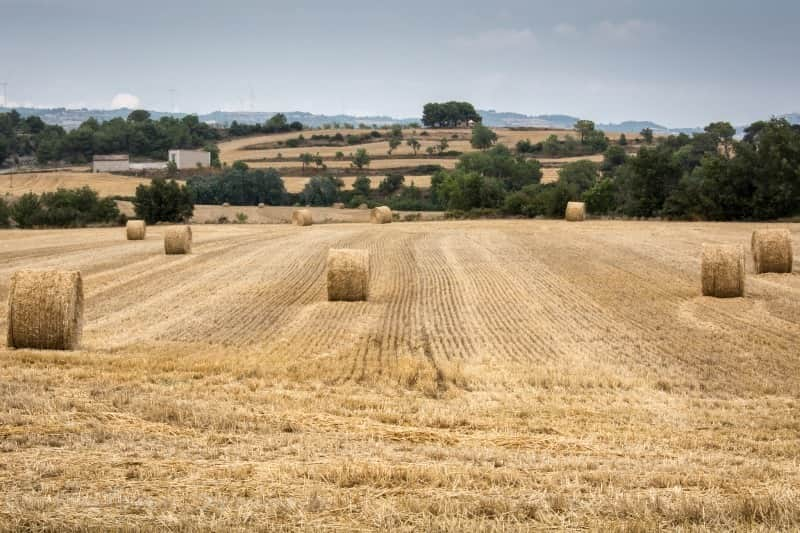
(677,62)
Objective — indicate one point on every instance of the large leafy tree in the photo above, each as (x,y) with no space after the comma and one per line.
(163,201)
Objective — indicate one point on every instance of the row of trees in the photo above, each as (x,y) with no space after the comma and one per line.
(277,123)
(708,176)
(138,135)
(65,208)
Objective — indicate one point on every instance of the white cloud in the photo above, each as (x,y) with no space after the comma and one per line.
(125,100)
(566,30)
(625,30)
(497,39)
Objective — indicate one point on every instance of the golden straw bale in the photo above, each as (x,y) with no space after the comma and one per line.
(576,212)
(722,270)
(45,310)
(772,251)
(348,275)
(135,230)
(301,217)
(178,240)
(381,215)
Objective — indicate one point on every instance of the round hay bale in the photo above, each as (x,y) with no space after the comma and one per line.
(381,215)
(301,217)
(576,212)
(135,230)
(363,206)
(225,204)
(772,251)
(722,270)
(348,275)
(45,310)
(338,205)
(178,240)
(260,205)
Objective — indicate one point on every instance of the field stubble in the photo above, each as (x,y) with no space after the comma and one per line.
(508,374)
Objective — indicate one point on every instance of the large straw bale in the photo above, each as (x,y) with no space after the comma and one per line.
(722,270)
(135,230)
(772,251)
(348,274)
(301,217)
(178,240)
(45,310)
(380,215)
(576,212)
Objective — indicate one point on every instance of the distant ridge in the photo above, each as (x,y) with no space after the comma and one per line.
(72,118)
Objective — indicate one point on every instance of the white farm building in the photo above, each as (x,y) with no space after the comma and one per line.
(185,159)
(111,163)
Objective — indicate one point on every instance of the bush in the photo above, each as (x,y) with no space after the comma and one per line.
(239,186)
(163,201)
(64,208)
(321,190)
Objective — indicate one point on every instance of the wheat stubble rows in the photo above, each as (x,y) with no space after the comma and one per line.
(508,374)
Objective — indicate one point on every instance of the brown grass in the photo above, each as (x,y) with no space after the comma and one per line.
(105,184)
(178,240)
(45,310)
(348,275)
(509,375)
(723,270)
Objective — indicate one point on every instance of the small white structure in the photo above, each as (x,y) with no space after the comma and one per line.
(190,158)
(111,163)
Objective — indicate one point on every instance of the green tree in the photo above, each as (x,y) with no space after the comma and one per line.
(306,159)
(584,128)
(139,115)
(723,132)
(623,141)
(580,175)
(414,144)
(601,198)
(26,210)
(443,145)
(163,201)
(391,183)
(361,159)
(172,169)
(647,135)
(321,190)
(482,137)
(394,142)
(362,186)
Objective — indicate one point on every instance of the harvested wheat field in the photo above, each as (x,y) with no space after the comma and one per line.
(506,375)
(104,183)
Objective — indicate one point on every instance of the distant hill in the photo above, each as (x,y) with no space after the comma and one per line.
(72,118)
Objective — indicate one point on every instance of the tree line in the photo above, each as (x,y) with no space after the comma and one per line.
(449,114)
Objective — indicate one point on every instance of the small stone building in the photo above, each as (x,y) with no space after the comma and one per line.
(185,159)
(111,163)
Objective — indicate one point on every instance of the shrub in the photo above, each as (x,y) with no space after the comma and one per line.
(163,201)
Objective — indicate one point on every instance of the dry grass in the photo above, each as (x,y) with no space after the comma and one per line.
(104,184)
(504,375)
